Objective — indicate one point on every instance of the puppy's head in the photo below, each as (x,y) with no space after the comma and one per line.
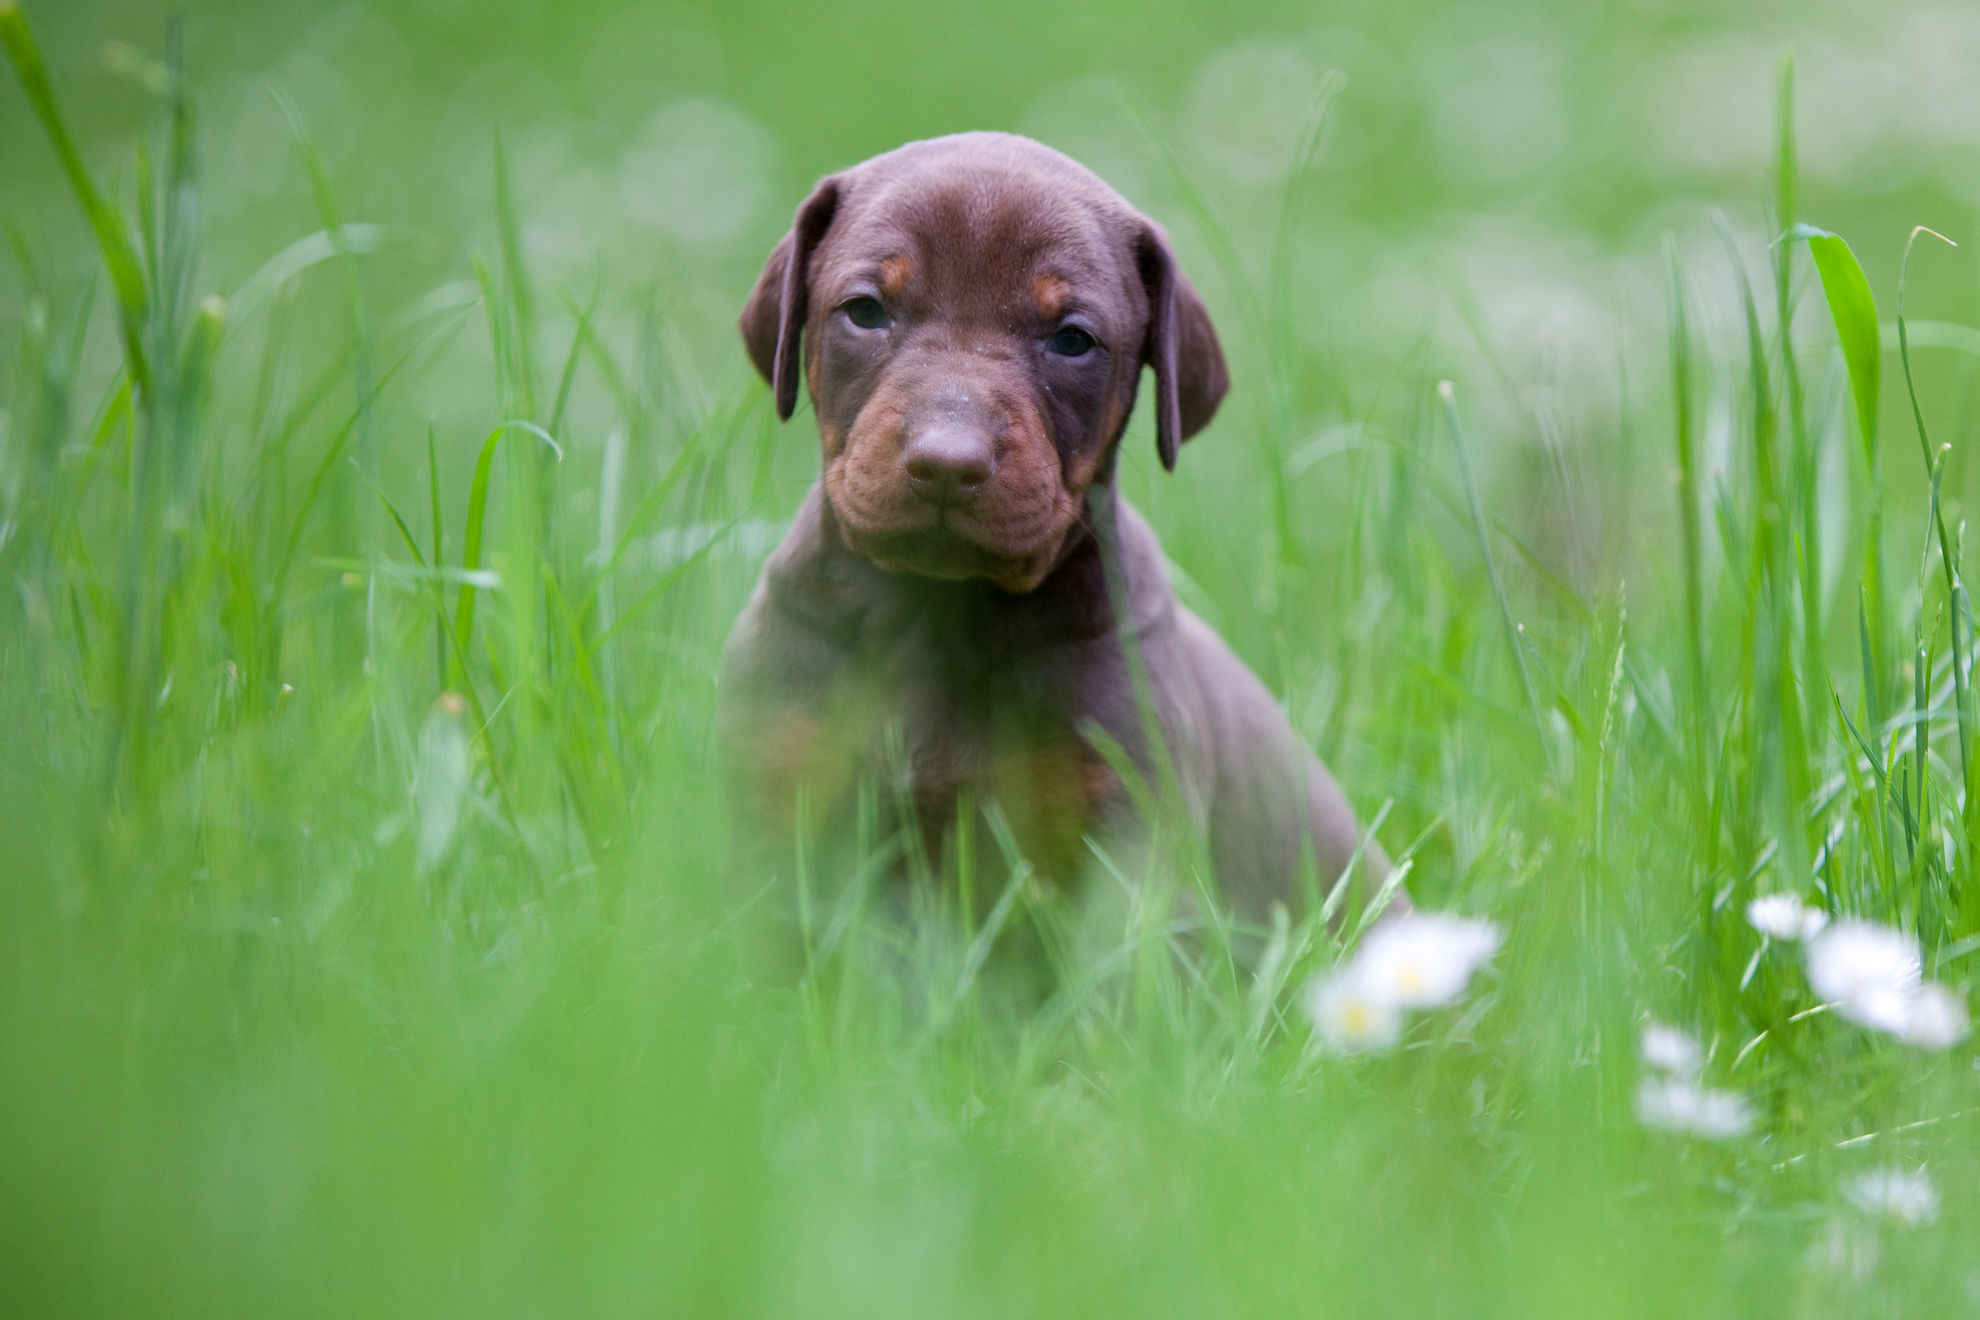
(971,315)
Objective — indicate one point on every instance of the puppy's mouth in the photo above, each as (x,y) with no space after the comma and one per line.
(945,544)
(937,552)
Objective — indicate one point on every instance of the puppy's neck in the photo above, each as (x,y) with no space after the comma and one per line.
(817,578)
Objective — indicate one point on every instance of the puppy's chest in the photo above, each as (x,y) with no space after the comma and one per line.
(1009,734)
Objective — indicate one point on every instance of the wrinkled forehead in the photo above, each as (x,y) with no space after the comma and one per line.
(985,238)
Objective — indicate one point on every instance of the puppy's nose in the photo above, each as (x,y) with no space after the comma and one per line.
(948,465)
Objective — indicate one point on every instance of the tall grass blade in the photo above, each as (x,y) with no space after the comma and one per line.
(113,239)
(518,303)
(1854,310)
(1689,497)
(1960,612)
(477,513)
(1447,392)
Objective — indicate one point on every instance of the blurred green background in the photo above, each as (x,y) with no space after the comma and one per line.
(1489,201)
(350,964)
(1535,151)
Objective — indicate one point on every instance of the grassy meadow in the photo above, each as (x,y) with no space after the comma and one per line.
(380,473)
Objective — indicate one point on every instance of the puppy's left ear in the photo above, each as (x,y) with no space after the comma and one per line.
(772,320)
(1190,377)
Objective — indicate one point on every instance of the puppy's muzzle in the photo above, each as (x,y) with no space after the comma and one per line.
(948,465)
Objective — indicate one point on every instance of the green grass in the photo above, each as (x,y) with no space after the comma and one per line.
(365,942)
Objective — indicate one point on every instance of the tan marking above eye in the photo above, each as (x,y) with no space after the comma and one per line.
(895,272)
(1050,294)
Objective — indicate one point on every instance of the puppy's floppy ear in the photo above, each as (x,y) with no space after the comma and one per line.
(773,319)
(1190,377)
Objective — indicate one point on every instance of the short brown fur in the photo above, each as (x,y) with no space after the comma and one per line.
(973,314)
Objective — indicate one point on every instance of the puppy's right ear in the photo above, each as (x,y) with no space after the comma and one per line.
(773,318)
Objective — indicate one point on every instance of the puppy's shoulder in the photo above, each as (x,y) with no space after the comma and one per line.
(1151,598)
(802,618)
(813,583)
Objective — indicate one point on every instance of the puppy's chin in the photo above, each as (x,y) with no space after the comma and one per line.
(936,553)
(932,547)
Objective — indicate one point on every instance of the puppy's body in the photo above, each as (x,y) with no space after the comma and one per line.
(975,313)
(999,697)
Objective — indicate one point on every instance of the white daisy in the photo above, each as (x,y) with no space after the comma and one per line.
(1423,960)
(1936,1018)
(1905,1195)
(1785,917)
(1669,1050)
(1678,1104)
(1351,1019)
(1869,972)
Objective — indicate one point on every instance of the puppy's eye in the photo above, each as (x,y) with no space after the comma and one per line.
(866,313)
(1070,341)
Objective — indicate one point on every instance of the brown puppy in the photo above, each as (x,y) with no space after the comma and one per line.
(958,600)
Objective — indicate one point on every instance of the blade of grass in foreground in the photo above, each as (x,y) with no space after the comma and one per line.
(1961,613)
(1700,721)
(113,239)
(1853,308)
(1802,458)
(477,513)
(1447,392)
